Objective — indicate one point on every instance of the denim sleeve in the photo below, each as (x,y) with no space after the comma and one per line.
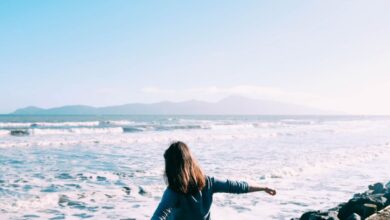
(167,203)
(229,186)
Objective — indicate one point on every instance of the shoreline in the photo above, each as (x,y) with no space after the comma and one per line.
(373,204)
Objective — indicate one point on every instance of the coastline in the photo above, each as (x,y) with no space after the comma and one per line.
(373,204)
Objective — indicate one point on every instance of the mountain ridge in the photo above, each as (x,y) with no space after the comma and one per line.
(232,105)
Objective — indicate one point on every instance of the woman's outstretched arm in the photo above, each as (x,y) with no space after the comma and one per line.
(254,188)
(229,186)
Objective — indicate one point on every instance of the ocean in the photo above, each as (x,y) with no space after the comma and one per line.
(111,167)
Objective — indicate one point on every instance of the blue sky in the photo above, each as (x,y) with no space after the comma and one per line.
(326,54)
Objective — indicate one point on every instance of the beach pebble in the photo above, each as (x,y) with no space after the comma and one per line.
(369,209)
(354,216)
(377,188)
(388,186)
(127,190)
(313,215)
(63,199)
(101,178)
(142,191)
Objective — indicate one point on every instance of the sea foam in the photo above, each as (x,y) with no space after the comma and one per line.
(103,172)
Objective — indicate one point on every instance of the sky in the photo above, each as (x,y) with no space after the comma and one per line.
(333,55)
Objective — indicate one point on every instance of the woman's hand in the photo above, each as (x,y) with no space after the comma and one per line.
(254,188)
(272,192)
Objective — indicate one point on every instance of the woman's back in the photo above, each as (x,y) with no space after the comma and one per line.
(196,206)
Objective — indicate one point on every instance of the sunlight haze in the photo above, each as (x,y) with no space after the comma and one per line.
(332,55)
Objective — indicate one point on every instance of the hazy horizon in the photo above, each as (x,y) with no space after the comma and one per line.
(326,54)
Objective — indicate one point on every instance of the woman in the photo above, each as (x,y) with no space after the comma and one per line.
(190,193)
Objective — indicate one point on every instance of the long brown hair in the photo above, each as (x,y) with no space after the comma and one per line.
(182,171)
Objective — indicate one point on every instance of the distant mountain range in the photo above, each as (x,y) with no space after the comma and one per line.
(228,106)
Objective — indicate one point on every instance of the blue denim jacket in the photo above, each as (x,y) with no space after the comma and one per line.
(177,206)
